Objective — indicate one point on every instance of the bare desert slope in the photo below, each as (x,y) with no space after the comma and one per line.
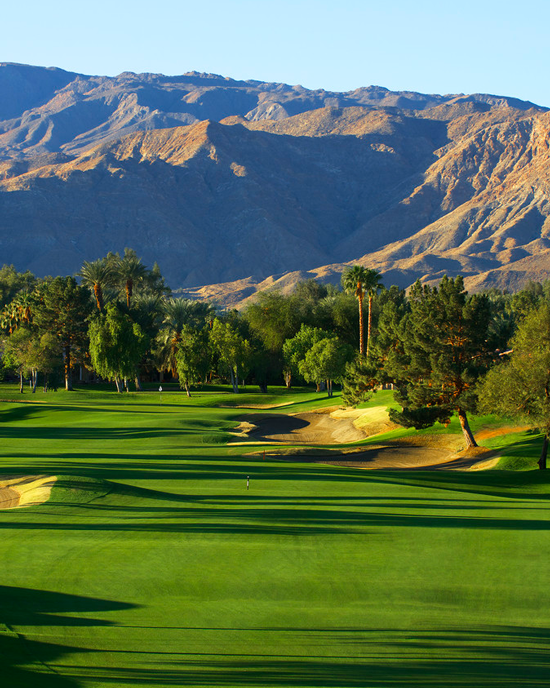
(238,186)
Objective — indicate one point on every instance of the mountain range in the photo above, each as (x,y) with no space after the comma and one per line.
(234,186)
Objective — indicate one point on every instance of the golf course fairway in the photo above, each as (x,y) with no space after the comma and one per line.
(151,564)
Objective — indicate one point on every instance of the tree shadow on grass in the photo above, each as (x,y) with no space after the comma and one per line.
(114,507)
(496,657)
(94,434)
(526,485)
(28,663)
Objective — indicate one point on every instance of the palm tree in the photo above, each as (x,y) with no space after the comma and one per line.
(24,303)
(175,317)
(361,281)
(97,275)
(129,270)
(18,312)
(9,318)
(177,313)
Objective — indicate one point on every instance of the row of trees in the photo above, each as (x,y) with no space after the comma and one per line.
(434,344)
(116,317)
(448,352)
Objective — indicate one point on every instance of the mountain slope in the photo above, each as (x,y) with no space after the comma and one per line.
(413,185)
(210,202)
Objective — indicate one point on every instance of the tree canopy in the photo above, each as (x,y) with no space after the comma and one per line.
(116,345)
(445,350)
(520,386)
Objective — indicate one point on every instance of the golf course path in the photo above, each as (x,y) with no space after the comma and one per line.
(25,490)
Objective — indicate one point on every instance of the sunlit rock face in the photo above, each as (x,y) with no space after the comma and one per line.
(223,181)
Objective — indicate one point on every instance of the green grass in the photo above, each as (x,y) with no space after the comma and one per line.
(151,565)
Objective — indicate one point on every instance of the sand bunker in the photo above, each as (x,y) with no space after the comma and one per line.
(300,428)
(340,426)
(372,421)
(25,490)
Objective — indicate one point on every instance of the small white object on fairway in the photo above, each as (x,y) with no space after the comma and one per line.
(25,490)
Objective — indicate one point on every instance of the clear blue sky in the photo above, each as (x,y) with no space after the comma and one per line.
(483,46)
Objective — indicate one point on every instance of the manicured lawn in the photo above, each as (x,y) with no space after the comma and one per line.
(152,565)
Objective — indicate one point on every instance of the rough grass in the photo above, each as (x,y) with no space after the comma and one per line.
(152,564)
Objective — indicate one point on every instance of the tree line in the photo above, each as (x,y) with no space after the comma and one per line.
(443,350)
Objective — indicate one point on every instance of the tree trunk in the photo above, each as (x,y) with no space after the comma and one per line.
(288,378)
(68,373)
(542,461)
(137,381)
(21,381)
(98,297)
(329,388)
(234,380)
(361,326)
(263,387)
(118,383)
(369,326)
(187,390)
(470,441)
(34,380)
(45,382)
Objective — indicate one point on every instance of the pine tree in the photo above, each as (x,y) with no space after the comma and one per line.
(445,350)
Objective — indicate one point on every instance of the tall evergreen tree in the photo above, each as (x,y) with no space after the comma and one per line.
(444,352)
(62,308)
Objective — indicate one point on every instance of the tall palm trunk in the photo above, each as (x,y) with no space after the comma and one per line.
(361,325)
(129,291)
(369,327)
(98,293)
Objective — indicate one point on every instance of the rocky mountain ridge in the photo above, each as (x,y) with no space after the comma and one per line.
(275,181)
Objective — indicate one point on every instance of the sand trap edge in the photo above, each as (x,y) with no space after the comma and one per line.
(25,490)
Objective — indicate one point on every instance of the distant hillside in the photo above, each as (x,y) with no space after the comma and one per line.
(222,181)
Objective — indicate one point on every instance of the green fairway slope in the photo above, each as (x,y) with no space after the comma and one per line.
(153,565)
